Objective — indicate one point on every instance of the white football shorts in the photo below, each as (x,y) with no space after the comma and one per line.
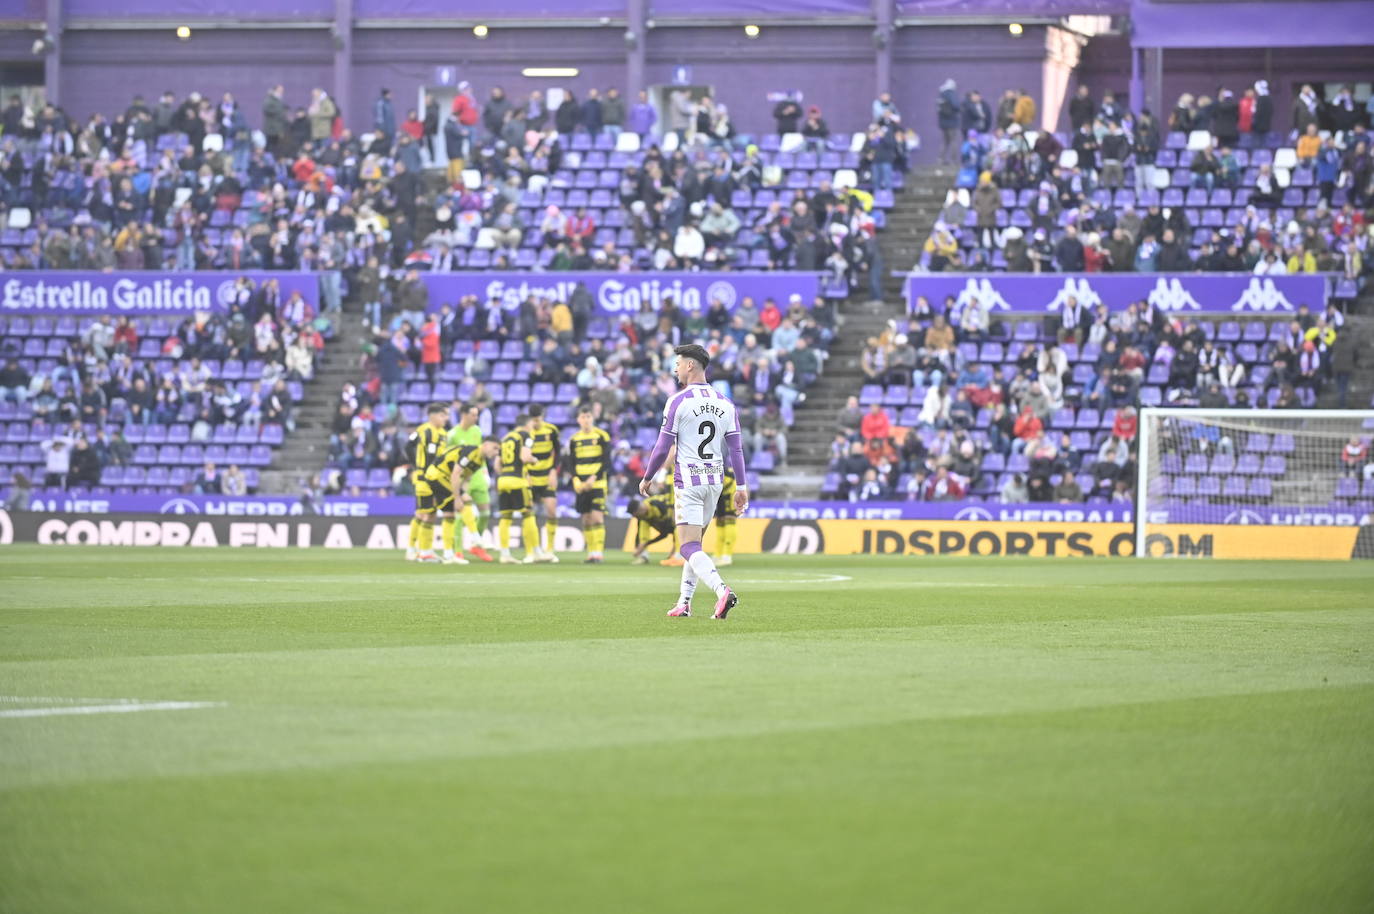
(695,504)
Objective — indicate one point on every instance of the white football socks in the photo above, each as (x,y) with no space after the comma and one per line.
(706,572)
(689,585)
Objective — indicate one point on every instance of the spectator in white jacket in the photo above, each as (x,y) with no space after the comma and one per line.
(935,409)
(974,321)
(1052,361)
(689,245)
(57,453)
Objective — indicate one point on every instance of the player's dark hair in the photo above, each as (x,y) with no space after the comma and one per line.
(586,410)
(467,405)
(537,410)
(633,506)
(695,352)
(521,420)
(436,408)
(492,438)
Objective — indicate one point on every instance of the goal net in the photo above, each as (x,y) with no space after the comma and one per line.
(1245,483)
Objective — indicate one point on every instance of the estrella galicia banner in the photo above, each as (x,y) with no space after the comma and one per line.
(137,291)
(1045,293)
(623,293)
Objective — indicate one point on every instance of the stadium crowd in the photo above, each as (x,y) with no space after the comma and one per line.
(81,398)
(1218,187)
(960,405)
(765,355)
(190,183)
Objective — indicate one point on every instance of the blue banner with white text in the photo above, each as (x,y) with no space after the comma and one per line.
(1184,293)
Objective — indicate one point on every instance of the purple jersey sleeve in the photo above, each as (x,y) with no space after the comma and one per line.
(667,437)
(658,454)
(736,451)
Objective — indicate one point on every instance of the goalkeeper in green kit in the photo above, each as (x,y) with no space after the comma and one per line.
(467,432)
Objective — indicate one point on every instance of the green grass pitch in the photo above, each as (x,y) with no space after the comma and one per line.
(863,735)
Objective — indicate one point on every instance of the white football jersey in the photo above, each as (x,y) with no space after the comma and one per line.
(699,417)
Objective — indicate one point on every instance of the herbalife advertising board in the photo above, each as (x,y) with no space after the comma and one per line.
(1197,293)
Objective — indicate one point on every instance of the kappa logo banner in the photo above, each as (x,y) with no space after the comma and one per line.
(1047,293)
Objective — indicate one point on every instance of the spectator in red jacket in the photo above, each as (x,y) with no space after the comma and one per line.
(1133,362)
(770,316)
(1096,259)
(125,335)
(464,107)
(431,349)
(1126,424)
(580,226)
(1028,425)
(875,424)
(1354,456)
(944,486)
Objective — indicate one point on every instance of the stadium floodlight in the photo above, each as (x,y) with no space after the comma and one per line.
(1255,483)
(751,31)
(480,31)
(550,72)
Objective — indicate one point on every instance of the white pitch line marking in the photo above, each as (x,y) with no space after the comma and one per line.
(808,579)
(120,706)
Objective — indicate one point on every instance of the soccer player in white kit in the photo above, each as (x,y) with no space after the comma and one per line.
(702,422)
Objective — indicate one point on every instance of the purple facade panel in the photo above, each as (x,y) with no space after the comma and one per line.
(743,71)
(20,10)
(16,45)
(1012,8)
(102,71)
(986,58)
(1331,23)
(192,10)
(405,61)
(790,9)
(487,10)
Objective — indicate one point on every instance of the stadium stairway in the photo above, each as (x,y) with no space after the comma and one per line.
(307,448)
(1359,321)
(909,223)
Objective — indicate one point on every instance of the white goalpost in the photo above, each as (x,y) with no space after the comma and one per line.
(1248,483)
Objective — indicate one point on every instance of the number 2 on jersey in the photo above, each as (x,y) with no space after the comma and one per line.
(709,430)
